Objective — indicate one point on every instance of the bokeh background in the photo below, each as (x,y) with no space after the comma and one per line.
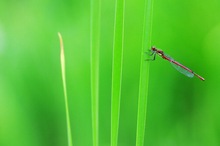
(181,111)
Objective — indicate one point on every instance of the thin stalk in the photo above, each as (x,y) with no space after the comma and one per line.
(117,69)
(62,61)
(94,46)
(144,74)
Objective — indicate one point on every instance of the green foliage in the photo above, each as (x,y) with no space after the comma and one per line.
(63,70)
(180,111)
(144,74)
(117,69)
(95,43)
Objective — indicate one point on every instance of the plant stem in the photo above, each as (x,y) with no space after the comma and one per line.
(62,61)
(94,46)
(144,74)
(117,69)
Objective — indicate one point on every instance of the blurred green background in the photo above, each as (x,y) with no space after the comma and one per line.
(181,111)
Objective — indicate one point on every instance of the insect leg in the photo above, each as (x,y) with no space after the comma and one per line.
(152,59)
(150,53)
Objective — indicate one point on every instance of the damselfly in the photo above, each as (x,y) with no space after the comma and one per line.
(181,68)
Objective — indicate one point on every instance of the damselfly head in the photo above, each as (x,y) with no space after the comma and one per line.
(153,48)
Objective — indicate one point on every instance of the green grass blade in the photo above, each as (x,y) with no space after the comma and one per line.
(62,61)
(144,74)
(117,69)
(94,46)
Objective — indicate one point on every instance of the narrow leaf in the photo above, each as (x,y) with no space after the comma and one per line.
(62,61)
(117,69)
(94,46)
(144,74)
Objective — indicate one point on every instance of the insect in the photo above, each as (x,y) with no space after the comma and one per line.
(181,68)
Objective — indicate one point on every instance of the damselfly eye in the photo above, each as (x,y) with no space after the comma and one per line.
(153,48)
